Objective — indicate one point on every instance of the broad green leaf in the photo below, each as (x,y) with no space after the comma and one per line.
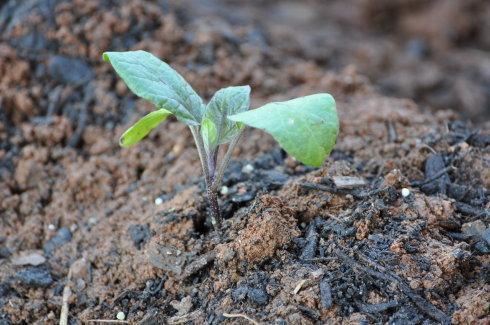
(209,134)
(305,127)
(154,80)
(225,102)
(141,128)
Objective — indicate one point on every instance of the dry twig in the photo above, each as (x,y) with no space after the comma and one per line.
(240,316)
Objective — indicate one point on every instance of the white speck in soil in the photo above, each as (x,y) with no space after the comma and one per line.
(120,316)
(51,227)
(158,201)
(405,192)
(248,168)
(224,190)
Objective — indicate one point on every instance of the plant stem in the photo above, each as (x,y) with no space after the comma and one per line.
(214,206)
(202,153)
(209,167)
(225,162)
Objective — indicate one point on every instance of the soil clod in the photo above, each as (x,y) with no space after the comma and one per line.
(34,277)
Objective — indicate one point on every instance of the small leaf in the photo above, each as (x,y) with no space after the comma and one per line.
(306,127)
(154,80)
(141,128)
(209,134)
(225,102)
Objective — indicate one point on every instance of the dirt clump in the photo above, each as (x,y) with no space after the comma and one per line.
(270,227)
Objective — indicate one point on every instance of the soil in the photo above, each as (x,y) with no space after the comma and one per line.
(104,230)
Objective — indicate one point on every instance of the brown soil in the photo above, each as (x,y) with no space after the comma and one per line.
(78,212)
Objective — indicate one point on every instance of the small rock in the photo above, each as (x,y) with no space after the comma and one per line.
(405,192)
(62,237)
(474,228)
(121,316)
(224,190)
(158,201)
(33,258)
(258,296)
(35,277)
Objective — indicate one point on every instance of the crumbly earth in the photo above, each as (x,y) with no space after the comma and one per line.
(111,230)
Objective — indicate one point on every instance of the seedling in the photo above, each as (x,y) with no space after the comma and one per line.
(305,127)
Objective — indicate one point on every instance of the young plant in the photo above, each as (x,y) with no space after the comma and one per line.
(305,127)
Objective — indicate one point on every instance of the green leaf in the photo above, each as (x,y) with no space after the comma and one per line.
(154,80)
(141,128)
(306,127)
(209,134)
(225,102)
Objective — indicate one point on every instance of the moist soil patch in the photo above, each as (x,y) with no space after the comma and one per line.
(394,227)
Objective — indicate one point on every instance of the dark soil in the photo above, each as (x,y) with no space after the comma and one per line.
(126,230)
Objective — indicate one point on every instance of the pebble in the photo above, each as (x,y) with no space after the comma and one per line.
(121,316)
(158,201)
(224,190)
(35,277)
(29,258)
(405,192)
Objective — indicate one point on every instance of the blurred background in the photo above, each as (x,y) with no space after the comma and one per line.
(435,52)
